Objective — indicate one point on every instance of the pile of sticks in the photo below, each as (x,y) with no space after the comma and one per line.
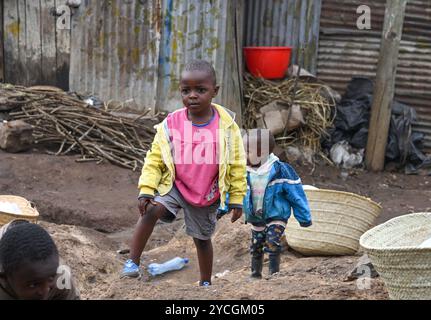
(315,100)
(72,126)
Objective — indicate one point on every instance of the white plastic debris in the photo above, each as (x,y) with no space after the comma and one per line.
(222,274)
(343,155)
(89,101)
(10,207)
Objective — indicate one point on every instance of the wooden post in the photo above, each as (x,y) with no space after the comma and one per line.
(385,85)
(1,44)
(231,85)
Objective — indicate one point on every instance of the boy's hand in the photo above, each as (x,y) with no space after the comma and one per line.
(143,203)
(236,214)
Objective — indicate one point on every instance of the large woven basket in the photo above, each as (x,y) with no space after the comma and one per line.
(28,211)
(339,219)
(393,249)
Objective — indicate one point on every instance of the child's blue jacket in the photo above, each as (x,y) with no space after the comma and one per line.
(283,194)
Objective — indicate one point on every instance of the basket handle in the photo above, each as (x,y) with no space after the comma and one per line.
(32,205)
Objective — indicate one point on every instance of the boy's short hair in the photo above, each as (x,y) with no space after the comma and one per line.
(25,242)
(201,65)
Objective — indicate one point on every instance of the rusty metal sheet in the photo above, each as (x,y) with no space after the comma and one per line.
(345,51)
(115,50)
(284,23)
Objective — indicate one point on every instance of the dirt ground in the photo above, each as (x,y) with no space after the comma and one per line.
(91,209)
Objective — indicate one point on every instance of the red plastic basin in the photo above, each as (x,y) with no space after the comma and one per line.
(268,62)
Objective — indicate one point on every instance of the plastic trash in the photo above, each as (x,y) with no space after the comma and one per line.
(222,274)
(174,264)
(342,154)
(353,112)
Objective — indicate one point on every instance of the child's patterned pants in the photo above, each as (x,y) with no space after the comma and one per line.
(267,239)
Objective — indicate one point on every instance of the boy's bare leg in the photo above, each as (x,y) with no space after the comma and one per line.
(144,229)
(204,249)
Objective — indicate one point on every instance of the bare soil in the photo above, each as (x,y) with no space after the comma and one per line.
(91,210)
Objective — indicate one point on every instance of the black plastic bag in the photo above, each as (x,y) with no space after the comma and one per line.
(352,122)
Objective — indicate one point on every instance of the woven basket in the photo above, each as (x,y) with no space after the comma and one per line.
(339,219)
(393,249)
(28,211)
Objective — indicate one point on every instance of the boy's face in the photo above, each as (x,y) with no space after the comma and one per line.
(34,280)
(197,90)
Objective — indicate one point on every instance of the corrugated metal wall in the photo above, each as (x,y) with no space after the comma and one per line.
(284,23)
(345,51)
(1,44)
(199,30)
(35,50)
(135,49)
(115,49)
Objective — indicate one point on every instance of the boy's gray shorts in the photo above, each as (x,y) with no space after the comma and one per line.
(200,221)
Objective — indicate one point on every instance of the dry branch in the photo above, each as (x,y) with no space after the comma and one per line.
(318,110)
(69,124)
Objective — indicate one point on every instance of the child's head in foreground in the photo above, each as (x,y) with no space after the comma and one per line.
(258,145)
(198,86)
(28,261)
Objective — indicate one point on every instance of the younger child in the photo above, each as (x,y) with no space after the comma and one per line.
(29,263)
(273,190)
(196,158)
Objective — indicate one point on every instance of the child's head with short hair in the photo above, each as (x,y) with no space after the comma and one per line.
(198,86)
(258,145)
(28,261)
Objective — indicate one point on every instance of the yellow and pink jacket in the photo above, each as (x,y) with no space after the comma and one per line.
(158,172)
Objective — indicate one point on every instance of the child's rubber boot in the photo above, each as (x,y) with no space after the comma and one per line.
(274,263)
(130,270)
(256,266)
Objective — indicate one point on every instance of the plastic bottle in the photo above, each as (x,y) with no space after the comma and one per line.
(173,264)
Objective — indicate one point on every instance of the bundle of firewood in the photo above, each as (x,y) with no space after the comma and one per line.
(73,126)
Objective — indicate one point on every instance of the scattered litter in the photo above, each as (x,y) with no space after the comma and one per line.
(351,124)
(342,154)
(222,274)
(171,265)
